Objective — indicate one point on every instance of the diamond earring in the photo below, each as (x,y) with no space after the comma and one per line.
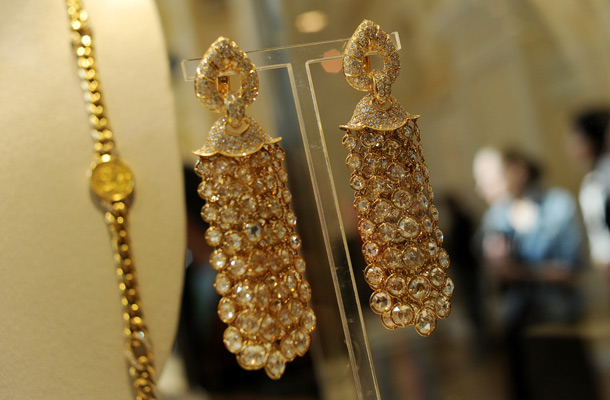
(260,272)
(406,265)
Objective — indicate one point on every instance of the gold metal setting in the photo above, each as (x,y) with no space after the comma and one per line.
(223,140)
(112,181)
(212,87)
(406,265)
(356,66)
(252,228)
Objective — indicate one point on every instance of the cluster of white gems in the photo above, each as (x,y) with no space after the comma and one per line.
(260,272)
(406,265)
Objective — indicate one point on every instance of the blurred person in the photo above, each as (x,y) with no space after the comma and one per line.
(488,172)
(589,144)
(532,237)
(198,326)
(533,247)
(460,227)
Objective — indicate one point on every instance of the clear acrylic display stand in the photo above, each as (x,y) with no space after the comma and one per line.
(338,379)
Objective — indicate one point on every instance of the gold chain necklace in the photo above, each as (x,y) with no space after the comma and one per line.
(112,181)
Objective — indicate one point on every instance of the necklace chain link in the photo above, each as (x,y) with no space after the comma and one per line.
(113,182)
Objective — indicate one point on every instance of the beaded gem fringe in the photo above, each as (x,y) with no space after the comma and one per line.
(260,272)
(406,266)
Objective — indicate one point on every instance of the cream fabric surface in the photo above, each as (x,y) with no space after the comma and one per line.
(61,335)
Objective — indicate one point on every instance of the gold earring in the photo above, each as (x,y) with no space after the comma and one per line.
(406,265)
(260,272)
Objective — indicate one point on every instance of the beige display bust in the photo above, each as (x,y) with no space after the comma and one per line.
(61,329)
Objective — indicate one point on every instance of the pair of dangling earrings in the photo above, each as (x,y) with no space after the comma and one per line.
(260,276)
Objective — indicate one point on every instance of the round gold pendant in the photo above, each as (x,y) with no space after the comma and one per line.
(111,179)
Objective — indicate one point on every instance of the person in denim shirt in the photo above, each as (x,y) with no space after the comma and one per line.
(533,246)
